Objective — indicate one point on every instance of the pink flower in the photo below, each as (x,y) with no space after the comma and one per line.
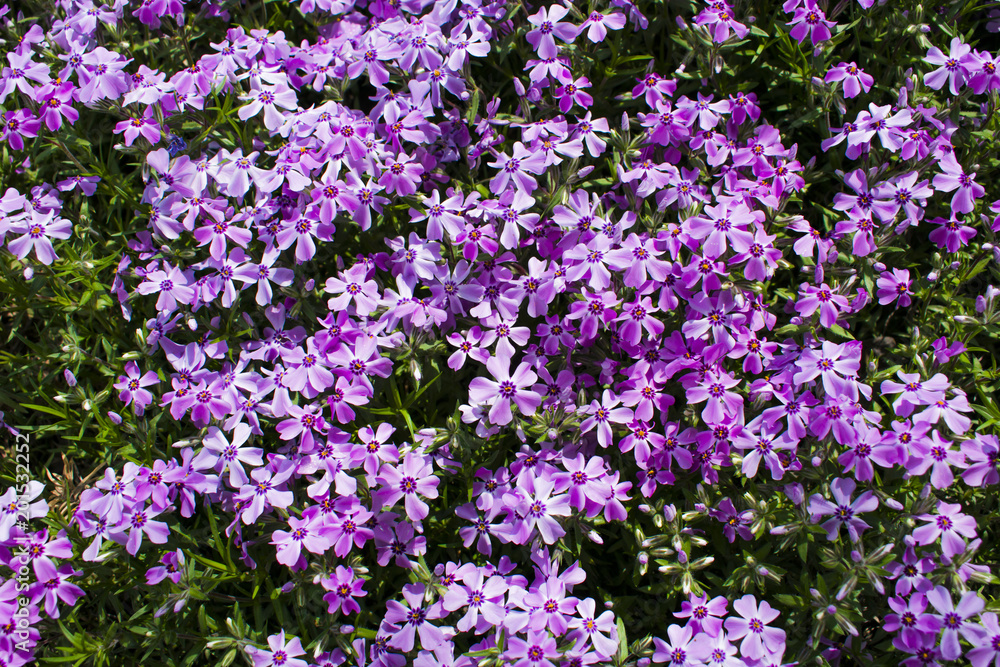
(854,78)
(810,20)
(504,389)
(894,286)
(131,386)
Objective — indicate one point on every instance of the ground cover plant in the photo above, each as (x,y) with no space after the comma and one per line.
(450,332)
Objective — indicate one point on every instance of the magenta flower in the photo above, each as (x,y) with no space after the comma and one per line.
(953,177)
(131,386)
(53,585)
(343,587)
(894,286)
(304,534)
(504,389)
(821,298)
(949,525)
(854,78)
(758,638)
(810,20)
(952,233)
(704,615)
(845,513)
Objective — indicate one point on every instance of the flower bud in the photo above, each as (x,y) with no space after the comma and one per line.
(879,266)
(70,378)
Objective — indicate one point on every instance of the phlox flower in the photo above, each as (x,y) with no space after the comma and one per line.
(954,68)
(414,620)
(954,177)
(411,480)
(131,388)
(549,25)
(952,234)
(955,620)
(752,626)
(53,585)
(598,24)
(854,78)
(282,653)
(949,525)
(504,389)
(845,512)
(810,20)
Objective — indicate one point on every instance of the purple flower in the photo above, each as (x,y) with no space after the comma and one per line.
(53,585)
(140,522)
(539,508)
(504,389)
(343,587)
(954,68)
(949,525)
(954,619)
(758,638)
(414,619)
(954,177)
(415,476)
(704,615)
(17,125)
(172,568)
(894,286)
(131,386)
(721,402)
(400,175)
(680,652)
(854,78)
(821,298)
(733,522)
(548,26)
(282,653)
(952,234)
(480,598)
(810,20)
(600,631)
(38,231)
(516,168)
(845,512)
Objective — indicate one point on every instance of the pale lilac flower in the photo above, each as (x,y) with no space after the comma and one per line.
(954,68)
(758,638)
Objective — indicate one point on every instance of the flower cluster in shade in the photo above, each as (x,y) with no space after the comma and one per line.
(574,311)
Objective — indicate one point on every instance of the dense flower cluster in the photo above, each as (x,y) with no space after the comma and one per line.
(616,328)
